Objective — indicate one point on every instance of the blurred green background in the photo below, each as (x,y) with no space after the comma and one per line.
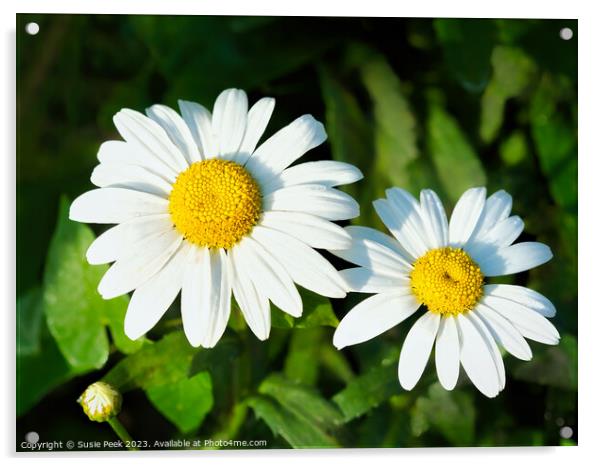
(445,103)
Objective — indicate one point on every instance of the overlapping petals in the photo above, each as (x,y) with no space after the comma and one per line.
(134,180)
(505,315)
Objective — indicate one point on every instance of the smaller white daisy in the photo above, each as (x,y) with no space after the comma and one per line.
(443,267)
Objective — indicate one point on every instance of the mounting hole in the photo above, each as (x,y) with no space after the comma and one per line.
(566,33)
(32,437)
(566,432)
(32,28)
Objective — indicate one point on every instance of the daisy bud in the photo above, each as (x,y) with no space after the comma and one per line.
(100,401)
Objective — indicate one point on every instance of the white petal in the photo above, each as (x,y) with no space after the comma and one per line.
(176,129)
(409,214)
(363,280)
(130,177)
(123,153)
(531,334)
(314,231)
(324,172)
(150,301)
(197,296)
(373,316)
(497,208)
(119,152)
(476,358)
(525,296)
(230,120)
(221,260)
(115,205)
(269,277)
(503,234)
(139,130)
(400,228)
(465,216)
(119,240)
(434,219)
(375,256)
(257,121)
(516,258)
(133,269)
(254,307)
(447,353)
(417,349)
(538,328)
(286,146)
(493,348)
(305,266)
(505,333)
(198,119)
(314,199)
(362,233)
(206,297)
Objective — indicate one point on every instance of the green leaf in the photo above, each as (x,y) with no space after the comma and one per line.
(186,402)
(395,124)
(456,162)
(514,149)
(71,301)
(75,311)
(335,363)
(553,365)
(296,431)
(248,59)
(229,368)
(451,413)
(38,373)
(236,321)
(305,402)
(280,319)
(467,46)
(303,358)
(114,316)
(298,413)
(513,71)
(164,362)
(317,312)
(383,149)
(368,390)
(555,136)
(214,359)
(349,132)
(350,137)
(30,320)
(40,365)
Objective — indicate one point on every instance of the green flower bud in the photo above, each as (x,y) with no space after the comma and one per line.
(100,401)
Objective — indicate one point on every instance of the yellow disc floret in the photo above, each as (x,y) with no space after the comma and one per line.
(447,281)
(215,203)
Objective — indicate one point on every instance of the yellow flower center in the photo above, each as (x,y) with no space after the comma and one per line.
(215,203)
(447,281)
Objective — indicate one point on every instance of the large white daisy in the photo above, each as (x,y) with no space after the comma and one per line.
(199,209)
(443,267)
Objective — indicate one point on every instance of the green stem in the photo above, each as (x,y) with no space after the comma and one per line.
(122,433)
(233,423)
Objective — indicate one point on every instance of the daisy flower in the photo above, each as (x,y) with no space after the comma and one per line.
(201,209)
(443,267)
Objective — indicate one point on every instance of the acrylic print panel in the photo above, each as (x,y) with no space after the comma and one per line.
(269,232)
